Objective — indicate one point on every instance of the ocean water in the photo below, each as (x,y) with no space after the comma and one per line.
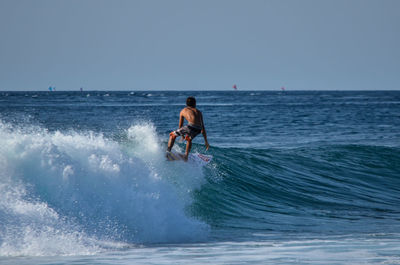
(298,177)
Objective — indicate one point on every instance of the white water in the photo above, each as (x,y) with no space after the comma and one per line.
(331,250)
(74,193)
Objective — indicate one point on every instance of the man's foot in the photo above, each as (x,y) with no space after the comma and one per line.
(184,157)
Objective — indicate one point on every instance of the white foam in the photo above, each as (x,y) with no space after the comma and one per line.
(32,228)
(70,193)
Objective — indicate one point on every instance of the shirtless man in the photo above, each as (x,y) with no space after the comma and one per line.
(192,129)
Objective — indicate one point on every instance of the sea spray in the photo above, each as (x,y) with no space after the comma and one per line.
(72,192)
(144,143)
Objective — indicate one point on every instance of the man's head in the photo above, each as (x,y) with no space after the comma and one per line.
(191,102)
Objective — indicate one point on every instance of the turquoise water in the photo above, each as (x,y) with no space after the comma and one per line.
(297,177)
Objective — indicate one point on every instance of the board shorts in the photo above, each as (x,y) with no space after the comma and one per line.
(188,130)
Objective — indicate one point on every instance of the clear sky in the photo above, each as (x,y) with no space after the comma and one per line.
(199,45)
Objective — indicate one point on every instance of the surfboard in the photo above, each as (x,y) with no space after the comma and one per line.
(196,158)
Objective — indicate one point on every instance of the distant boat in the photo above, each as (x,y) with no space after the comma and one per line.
(234,87)
(283,88)
(81,89)
(52,88)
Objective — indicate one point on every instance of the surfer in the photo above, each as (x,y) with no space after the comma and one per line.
(192,129)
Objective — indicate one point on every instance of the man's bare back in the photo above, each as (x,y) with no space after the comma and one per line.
(192,115)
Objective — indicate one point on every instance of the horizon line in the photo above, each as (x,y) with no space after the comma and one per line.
(210,90)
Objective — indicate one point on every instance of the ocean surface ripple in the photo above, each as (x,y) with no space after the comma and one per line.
(293,174)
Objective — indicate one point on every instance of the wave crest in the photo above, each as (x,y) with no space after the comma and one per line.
(78,189)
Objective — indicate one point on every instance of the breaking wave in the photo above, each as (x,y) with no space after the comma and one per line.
(71,193)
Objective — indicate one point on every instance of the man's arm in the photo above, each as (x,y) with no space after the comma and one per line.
(203,131)
(180,119)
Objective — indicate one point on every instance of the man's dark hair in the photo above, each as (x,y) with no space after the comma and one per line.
(191,102)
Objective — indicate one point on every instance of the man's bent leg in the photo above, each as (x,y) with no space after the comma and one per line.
(171,141)
(188,147)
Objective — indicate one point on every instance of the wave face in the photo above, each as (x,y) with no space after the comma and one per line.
(329,189)
(70,192)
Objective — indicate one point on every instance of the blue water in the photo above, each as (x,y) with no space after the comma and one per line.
(305,177)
